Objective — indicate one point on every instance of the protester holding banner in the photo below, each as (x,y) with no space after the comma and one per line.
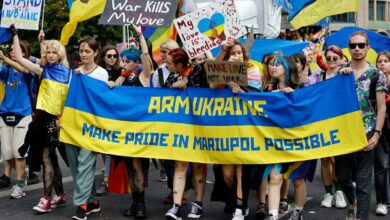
(177,62)
(55,74)
(237,177)
(15,112)
(381,152)
(131,76)
(82,162)
(333,56)
(369,81)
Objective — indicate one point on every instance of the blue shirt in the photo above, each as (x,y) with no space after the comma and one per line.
(16,98)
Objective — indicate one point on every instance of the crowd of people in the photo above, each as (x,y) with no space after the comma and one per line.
(29,133)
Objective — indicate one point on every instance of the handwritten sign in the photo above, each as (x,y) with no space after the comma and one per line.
(223,72)
(208,27)
(23,14)
(155,13)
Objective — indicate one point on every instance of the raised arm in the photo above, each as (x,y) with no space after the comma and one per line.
(12,63)
(145,57)
(222,53)
(35,68)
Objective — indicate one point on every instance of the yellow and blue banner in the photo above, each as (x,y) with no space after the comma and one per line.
(54,88)
(214,126)
(378,43)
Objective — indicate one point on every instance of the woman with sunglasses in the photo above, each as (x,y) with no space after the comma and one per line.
(381,152)
(109,60)
(333,57)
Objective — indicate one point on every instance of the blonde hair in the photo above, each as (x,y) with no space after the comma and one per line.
(58,47)
(169,44)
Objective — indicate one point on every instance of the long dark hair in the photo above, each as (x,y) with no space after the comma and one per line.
(102,54)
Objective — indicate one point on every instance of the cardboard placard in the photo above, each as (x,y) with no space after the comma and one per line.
(223,72)
(208,27)
(155,13)
(23,14)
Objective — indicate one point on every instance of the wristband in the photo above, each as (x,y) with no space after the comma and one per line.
(378,131)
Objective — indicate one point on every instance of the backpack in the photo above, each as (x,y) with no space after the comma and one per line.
(372,91)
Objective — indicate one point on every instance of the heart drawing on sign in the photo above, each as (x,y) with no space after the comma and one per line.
(214,27)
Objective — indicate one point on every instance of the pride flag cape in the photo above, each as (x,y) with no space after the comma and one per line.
(214,126)
(53,89)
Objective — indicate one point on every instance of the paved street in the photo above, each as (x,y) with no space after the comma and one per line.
(113,205)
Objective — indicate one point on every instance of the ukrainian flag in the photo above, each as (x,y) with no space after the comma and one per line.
(80,11)
(378,43)
(53,89)
(317,10)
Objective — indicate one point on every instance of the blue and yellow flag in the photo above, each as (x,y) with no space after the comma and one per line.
(53,89)
(319,9)
(378,43)
(80,11)
(214,126)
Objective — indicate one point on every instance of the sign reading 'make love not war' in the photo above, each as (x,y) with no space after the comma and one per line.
(155,13)
(23,14)
(208,27)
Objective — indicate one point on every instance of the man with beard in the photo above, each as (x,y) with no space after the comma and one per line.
(370,86)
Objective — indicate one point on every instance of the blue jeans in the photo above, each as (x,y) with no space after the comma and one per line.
(363,162)
(107,161)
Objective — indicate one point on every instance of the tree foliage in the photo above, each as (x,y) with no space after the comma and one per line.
(57,15)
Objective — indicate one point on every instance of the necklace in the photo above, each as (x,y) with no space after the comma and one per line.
(90,71)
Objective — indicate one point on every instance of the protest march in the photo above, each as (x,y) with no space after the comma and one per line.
(197,92)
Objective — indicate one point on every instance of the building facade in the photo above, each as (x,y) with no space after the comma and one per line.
(372,14)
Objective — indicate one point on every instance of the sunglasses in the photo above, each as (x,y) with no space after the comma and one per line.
(333,59)
(109,56)
(360,45)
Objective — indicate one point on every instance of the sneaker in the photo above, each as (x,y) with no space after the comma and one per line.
(261,211)
(103,189)
(196,211)
(58,200)
(283,206)
(174,213)
(5,181)
(93,207)
(381,209)
(32,178)
(327,201)
(340,201)
(80,213)
(296,215)
(238,215)
(163,177)
(44,205)
(17,192)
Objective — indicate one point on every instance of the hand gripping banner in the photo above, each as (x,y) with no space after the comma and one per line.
(214,126)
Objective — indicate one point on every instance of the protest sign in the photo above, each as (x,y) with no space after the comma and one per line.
(139,12)
(208,27)
(23,14)
(223,72)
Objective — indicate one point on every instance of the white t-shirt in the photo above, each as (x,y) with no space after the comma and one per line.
(100,74)
(156,82)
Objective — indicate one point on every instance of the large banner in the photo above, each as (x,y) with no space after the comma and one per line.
(23,14)
(208,27)
(139,12)
(214,126)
